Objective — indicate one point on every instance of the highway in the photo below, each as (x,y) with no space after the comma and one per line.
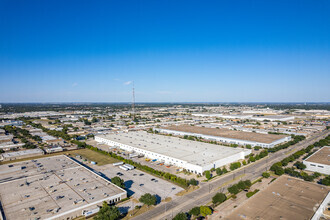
(207,190)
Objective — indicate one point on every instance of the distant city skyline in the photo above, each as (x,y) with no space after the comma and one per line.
(174,51)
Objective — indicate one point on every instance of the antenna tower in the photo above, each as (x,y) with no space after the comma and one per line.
(133,103)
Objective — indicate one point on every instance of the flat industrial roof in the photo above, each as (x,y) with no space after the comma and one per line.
(50,186)
(285,198)
(22,153)
(321,156)
(193,152)
(227,133)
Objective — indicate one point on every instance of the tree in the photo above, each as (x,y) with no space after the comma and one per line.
(218,171)
(180,216)
(224,170)
(193,182)
(248,146)
(277,168)
(148,199)
(195,211)
(233,189)
(234,166)
(205,210)
(300,165)
(325,181)
(107,213)
(265,175)
(208,174)
(219,198)
(118,181)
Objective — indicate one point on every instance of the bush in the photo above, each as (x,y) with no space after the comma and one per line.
(265,175)
(235,165)
(249,194)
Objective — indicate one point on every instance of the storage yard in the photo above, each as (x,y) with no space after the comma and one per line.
(193,156)
(227,135)
(285,198)
(53,188)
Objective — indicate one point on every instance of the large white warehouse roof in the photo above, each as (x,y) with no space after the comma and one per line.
(193,152)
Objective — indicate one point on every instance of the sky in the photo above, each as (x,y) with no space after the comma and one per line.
(173,51)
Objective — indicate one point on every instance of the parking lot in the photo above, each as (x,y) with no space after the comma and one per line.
(138,183)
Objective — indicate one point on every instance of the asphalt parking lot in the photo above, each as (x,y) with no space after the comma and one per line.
(138,183)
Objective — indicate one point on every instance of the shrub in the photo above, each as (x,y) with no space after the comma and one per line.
(265,175)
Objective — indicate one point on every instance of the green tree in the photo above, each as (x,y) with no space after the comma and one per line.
(208,174)
(118,181)
(205,210)
(248,146)
(265,175)
(195,211)
(193,182)
(180,216)
(218,171)
(107,213)
(233,189)
(300,165)
(326,181)
(148,199)
(219,198)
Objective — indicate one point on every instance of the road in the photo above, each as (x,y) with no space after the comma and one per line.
(207,190)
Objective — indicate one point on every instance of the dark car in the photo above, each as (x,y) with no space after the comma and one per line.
(153,179)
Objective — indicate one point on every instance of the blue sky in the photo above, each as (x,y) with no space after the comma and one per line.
(174,51)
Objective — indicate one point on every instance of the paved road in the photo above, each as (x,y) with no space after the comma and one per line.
(207,190)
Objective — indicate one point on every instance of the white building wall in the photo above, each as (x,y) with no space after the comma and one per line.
(174,161)
(317,167)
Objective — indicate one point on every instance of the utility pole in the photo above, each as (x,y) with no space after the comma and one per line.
(133,103)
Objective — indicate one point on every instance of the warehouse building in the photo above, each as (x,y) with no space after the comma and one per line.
(21,154)
(285,198)
(193,156)
(53,188)
(227,136)
(319,161)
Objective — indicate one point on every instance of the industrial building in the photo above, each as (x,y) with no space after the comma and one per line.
(53,188)
(285,198)
(193,156)
(15,155)
(319,161)
(227,136)
(250,117)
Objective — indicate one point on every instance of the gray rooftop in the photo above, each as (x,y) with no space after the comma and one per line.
(193,152)
(51,186)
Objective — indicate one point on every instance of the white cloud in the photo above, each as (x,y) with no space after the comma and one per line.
(127,83)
